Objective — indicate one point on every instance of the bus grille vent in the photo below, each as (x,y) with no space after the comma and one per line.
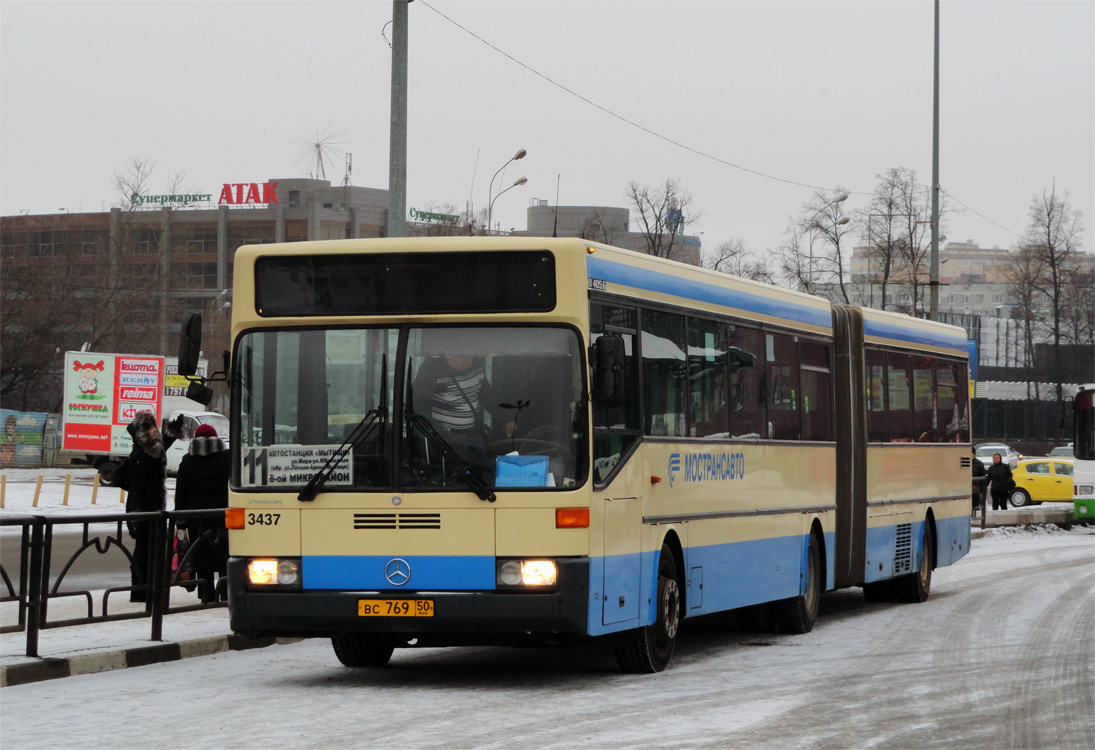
(395,521)
(967,462)
(902,560)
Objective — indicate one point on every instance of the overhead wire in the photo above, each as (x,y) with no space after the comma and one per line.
(669,140)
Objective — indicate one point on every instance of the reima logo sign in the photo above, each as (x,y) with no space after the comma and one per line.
(239,193)
(139,394)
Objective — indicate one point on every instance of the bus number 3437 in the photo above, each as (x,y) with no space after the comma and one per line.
(263,519)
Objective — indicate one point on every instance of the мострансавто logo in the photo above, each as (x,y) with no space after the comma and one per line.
(707,467)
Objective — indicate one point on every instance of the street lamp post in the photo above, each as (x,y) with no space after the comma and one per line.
(814,225)
(490,207)
(490,188)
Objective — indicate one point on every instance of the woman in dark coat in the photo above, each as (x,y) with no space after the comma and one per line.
(1000,482)
(202,484)
(142,475)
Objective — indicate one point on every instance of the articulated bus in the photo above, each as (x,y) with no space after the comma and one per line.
(455,441)
(1083,453)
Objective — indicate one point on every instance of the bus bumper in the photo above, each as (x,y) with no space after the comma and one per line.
(457,614)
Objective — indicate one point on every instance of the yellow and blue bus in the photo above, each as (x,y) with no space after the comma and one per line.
(448,441)
(1083,453)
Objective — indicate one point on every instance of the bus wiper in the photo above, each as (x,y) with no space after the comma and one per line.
(362,431)
(425,426)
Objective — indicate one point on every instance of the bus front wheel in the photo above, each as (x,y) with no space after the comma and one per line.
(797,614)
(650,648)
(360,650)
(915,587)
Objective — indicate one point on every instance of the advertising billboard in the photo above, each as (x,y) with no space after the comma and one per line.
(103,392)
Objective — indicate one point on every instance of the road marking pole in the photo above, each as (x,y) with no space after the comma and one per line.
(37,490)
(3,489)
(94,487)
(68,481)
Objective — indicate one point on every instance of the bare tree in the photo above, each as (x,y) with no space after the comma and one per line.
(734,257)
(1078,308)
(791,257)
(664,212)
(597,229)
(1052,240)
(824,224)
(881,222)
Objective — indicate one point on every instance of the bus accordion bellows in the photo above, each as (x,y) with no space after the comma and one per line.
(447,441)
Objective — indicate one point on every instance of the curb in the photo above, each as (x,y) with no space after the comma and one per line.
(51,668)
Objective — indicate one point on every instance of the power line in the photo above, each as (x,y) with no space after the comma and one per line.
(669,140)
(620,117)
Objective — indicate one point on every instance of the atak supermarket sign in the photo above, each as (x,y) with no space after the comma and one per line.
(103,392)
(240,193)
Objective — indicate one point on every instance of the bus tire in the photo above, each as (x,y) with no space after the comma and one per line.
(915,587)
(797,614)
(361,650)
(879,591)
(649,648)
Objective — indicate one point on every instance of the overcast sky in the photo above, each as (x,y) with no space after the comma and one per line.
(818,93)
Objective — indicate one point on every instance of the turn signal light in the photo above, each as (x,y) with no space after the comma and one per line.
(234,518)
(572,518)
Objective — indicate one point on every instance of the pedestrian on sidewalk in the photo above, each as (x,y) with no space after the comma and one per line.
(202,484)
(1000,482)
(142,475)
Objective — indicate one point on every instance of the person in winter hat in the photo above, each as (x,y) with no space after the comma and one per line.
(142,475)
(202,484)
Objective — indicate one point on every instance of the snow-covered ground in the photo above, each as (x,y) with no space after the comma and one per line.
(1002,655)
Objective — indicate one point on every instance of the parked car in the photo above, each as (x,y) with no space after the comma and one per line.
(1061,451)
(984,451)
(191,420)
(1041,480)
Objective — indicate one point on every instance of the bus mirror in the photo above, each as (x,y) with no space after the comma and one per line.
(608,382)
(190,343)
(203,394)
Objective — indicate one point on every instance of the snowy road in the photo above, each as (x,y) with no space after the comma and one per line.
(1002,655)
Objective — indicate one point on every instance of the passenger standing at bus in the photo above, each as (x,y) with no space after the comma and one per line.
(203,484)
(142,475)
(1000,482)
(980,483)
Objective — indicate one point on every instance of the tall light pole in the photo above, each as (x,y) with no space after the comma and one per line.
(397,144)
(814,225)
(933,306)
(490,207)
(490,188)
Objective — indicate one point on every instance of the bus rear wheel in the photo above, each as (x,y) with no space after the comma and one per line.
(797,614)
(915,587)
(650,648)
(361,650)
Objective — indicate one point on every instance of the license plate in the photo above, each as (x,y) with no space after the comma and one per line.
(395,607)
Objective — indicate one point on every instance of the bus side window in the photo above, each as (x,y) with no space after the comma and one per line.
(817,418)
(924,417)
(709,414)
(746,355)
(900,404)
(665,375)
(616,423)
(877,428)
(784,391)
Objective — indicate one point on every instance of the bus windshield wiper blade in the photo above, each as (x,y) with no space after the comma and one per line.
(425,426)
(362,432)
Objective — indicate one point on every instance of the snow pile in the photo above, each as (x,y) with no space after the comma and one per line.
(1028,531)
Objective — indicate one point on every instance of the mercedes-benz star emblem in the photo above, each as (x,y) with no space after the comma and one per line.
(397,571)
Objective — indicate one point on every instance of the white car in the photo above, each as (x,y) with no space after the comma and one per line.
(191,420)
(984,451)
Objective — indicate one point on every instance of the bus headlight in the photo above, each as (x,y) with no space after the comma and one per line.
(1085,489)
(527,573)
(270,572)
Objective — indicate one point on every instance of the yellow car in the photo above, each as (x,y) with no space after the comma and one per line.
(1041,480)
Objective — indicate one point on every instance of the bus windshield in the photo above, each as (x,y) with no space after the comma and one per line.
(501,403)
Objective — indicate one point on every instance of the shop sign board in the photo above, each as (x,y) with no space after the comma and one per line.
(102,394)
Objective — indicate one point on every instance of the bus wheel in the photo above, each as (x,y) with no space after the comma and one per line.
(914,588)
(879,591)
(360,650)
(650,647)
(797,614)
